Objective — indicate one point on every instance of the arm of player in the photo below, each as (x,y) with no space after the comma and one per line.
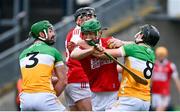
(60,71)
(54,78)
(83,44)
(177,82)
(116,43)
(175,77)
(118,52)
(79,54)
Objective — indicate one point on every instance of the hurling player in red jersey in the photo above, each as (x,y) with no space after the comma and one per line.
(164,70)
(77,92)
(102,73)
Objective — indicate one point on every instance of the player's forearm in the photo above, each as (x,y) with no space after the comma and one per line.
(60,86)
(127,42)
(177,82)
(83,44)
(80,54)
(114,52)
(116,43)
(61,72)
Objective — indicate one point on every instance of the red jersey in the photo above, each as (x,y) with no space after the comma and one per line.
(102,73)
(75,70)
(161,77)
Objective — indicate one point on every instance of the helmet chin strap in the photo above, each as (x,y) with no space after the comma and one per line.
(139,40)
(46,36)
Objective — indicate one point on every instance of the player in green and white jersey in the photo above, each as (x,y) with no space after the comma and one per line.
(37,63)
(139,58)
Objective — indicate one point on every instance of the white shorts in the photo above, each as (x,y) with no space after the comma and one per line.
(75,92)
(160,100)
(40,102)
(102,101)
(130,104)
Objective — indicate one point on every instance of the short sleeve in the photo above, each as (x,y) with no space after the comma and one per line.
(127,49)
(58,58)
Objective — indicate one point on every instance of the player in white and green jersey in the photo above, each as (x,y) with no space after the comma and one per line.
(139,58)
(37,63)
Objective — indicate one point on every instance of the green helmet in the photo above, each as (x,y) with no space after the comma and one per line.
(91,25)
(40,27)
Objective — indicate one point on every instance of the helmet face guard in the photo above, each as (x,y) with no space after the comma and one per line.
(150,34)
(85,11)
(42,26)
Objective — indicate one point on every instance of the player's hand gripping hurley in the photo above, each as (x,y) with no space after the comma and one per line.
(136,77)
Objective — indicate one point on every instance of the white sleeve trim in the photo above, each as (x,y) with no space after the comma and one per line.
(122,51)
(60,63)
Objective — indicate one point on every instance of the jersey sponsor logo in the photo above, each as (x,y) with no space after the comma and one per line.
(96,63)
